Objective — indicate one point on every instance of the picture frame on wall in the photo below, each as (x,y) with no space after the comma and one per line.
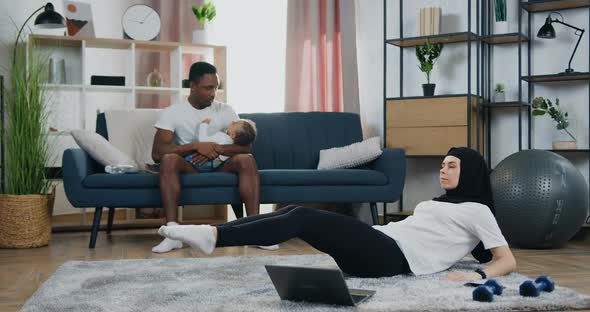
(79,20)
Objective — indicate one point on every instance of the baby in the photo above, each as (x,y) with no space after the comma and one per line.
(241,132)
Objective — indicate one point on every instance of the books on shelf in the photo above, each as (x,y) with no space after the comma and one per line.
(429,21)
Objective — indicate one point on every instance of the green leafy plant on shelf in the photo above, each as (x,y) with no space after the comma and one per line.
(205,13)
(427,56)
(499,88)
(542,106)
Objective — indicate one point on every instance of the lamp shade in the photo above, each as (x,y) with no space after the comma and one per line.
(49,18)
(547,31)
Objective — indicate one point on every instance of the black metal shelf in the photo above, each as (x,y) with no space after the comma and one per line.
(553,5)
(504,38)
(505,104)
(569,150)
(442,38)
(585,76)
(429,97)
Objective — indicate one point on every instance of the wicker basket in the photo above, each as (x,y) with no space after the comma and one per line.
(25,220)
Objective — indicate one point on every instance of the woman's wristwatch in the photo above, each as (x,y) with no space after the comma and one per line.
(482,273)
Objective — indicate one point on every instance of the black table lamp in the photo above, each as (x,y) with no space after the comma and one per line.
(548,32)
(48,19)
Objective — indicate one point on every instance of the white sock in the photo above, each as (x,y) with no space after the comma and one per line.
(167,244)
(271,247)
(200,237)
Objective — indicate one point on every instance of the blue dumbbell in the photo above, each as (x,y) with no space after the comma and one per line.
(534,289)
(486,292)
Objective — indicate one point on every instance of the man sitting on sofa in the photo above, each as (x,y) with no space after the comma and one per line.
(177,137)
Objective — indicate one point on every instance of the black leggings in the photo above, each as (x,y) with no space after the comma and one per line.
(357,248)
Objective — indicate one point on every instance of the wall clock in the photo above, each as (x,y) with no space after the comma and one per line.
(141,22)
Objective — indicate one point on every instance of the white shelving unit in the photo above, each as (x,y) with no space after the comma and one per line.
(75,103)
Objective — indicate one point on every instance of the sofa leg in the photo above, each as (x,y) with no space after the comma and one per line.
(110,222)
(238,210)
(374,213)
(95,226)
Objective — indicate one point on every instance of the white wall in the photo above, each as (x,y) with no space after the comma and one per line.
(255,40)
(450,76)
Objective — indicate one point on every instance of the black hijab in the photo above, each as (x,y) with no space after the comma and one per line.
(474,186)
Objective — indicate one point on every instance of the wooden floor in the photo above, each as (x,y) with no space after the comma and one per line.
(23,271)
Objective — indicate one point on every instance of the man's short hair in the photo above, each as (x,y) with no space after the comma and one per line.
(247,133)
(199,69)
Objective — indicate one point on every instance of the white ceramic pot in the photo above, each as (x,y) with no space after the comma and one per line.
(501,27)
(499,97)
(200,36)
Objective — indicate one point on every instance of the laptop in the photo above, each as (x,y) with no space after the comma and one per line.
(314,285)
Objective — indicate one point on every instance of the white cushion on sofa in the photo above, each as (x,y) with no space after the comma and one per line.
(132,132)
(350,156)
(100,149)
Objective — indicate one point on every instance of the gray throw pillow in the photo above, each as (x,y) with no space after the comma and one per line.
(100,149)
(350,156)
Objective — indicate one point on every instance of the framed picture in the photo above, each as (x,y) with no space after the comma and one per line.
(79,19)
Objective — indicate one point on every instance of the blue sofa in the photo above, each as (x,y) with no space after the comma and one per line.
(287,153)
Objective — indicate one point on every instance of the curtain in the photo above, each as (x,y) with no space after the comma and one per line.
(314,58)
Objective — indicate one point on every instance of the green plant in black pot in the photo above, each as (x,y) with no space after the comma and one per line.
(427,56)
(542,106)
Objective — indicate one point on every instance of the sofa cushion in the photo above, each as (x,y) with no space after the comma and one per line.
(148,180)
(294,140)
(321,177)
(292,177)
(352,155)
(100,149)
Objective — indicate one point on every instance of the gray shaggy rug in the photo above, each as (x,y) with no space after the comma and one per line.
(241,284)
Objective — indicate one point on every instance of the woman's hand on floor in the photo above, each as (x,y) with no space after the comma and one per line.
(463,276)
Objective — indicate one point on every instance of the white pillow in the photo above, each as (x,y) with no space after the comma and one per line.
(100,149)
(350,156)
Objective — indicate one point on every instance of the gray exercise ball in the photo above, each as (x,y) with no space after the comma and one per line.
(541,199)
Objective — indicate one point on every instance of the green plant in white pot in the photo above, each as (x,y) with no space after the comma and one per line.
(501,25)
(542,106)
(205,14)
(499,94)
(25,208)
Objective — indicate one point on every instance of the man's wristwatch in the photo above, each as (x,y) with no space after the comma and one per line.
(482,273)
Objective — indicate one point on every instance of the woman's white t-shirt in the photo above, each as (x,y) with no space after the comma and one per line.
(439,234)
(184,120)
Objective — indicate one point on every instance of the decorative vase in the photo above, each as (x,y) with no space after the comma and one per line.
(562,140)
(155,79)
(428,89)
(501,27)
(499,97)
(201,36)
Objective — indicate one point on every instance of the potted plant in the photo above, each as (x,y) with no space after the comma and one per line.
(204,14)
(500,13)
(542,106)
(427,56)
(499,95)
(25,208)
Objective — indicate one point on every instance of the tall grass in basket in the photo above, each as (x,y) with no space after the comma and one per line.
(26,146)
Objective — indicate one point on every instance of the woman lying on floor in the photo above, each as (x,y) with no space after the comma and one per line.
(440,233)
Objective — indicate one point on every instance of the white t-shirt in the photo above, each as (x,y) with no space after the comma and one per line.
(439,234)
(217,137)
(184,120)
